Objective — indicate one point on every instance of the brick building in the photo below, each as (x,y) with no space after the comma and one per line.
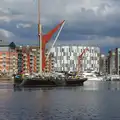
(8,57)
(29,61)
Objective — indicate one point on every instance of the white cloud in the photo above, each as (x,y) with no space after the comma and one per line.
(5,19)
(56,10)
(23,25)
(4,34)
(85,15)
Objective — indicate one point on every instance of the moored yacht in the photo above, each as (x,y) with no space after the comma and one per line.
(91,76)
(112,78)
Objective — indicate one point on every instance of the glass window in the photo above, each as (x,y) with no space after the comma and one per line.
(69,49)
(62,49)
(92,65)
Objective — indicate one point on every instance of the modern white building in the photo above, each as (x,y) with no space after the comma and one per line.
(66,57)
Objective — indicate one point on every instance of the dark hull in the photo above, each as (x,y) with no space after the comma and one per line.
(48,83)
(34,83)
(116,80)
(37,83)
(75,82)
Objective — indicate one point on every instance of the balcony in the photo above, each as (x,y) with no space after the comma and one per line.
(24,55)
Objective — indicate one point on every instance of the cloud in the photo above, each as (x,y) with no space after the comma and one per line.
(92,22)
(21,25)
(92,41)
(6,35)
(52,10)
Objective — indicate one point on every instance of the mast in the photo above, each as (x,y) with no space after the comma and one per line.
(40,37)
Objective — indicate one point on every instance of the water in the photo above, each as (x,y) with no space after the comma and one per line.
(93,101)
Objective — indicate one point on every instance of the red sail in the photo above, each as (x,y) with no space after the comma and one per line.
(45,39)
(49,35)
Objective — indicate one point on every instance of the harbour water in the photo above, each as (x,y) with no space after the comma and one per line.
(93,101)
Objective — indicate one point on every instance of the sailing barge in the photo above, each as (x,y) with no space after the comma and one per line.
(49,81)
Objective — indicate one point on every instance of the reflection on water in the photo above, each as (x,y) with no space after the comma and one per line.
(93,101)
(108,85)
(89,85)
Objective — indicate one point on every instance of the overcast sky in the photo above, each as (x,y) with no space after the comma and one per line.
(88,22)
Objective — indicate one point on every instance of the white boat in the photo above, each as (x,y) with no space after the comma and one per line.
(91,76)
(112,78)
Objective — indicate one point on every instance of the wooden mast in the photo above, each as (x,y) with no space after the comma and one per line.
(40,38)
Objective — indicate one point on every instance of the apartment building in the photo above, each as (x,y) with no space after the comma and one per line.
(111,62)
(66,57)
(8,57)
(107,65)
(117,60)
(29,60)
(104,64)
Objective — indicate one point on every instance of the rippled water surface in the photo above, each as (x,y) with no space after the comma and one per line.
(93,101)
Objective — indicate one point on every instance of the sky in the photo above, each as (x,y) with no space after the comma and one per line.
(88,22)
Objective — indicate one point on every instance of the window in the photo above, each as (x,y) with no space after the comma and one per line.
(69,49)
(4,65)
(92,58)
(62,49)
(92,65)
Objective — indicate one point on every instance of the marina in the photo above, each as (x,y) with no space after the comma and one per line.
(59,60)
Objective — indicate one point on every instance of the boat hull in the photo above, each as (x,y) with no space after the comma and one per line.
(71,82)
(51,83)
(35,83)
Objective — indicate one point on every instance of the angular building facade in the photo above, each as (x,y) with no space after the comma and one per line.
(66,57)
